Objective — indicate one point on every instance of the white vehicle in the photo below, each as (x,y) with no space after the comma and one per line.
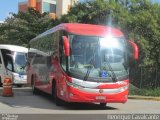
(12,64)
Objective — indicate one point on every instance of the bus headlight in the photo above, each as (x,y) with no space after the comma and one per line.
(124,88)
(73,85)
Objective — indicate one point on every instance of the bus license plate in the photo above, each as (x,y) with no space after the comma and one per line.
(100,98)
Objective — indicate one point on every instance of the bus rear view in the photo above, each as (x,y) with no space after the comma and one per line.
(91,64)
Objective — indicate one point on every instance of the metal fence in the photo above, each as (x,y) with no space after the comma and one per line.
(145,77)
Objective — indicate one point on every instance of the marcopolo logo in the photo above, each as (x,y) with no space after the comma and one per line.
(100,90)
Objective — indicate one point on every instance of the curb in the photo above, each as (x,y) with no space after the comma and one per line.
(24,89)
(144,97)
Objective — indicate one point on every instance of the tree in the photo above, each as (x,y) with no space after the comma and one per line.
(138,19)
(20,28)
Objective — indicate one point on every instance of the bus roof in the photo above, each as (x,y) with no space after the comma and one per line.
(89,29)
(14,48)
(37,51)
(84,29)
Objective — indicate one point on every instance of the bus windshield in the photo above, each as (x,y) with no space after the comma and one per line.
(14,61)
(19,61)
(97,58)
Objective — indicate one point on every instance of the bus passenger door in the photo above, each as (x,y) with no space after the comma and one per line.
(48,70)
(43,73)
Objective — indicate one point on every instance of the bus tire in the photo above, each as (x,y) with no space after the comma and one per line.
(0,82)
(34,90)
(57,100)
(103,104)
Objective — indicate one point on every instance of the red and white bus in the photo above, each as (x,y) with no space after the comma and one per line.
(81,63)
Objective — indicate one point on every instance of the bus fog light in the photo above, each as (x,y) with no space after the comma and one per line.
(124,88)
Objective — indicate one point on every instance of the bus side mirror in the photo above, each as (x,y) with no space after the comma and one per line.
(66,46)
(133,50)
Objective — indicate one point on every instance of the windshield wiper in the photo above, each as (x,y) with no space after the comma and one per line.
(87,73)
(89,68)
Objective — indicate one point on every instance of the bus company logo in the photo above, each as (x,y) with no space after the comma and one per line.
(100,90)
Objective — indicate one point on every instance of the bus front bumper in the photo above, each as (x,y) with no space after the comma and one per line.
(118,95)
(20,79)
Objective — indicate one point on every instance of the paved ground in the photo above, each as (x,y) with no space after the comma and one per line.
(24,102)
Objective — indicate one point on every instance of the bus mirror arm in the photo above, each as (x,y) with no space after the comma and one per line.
(135,49)
(66,46)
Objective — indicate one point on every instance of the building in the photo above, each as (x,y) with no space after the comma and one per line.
(40,5)
(63,6)
(54,7)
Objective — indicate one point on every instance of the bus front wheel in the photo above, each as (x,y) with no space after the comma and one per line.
(103,104)
(57,100)
(0,82)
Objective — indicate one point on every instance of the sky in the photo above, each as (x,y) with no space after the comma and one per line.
(7,6)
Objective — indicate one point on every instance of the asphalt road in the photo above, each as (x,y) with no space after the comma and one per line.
(24,102)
